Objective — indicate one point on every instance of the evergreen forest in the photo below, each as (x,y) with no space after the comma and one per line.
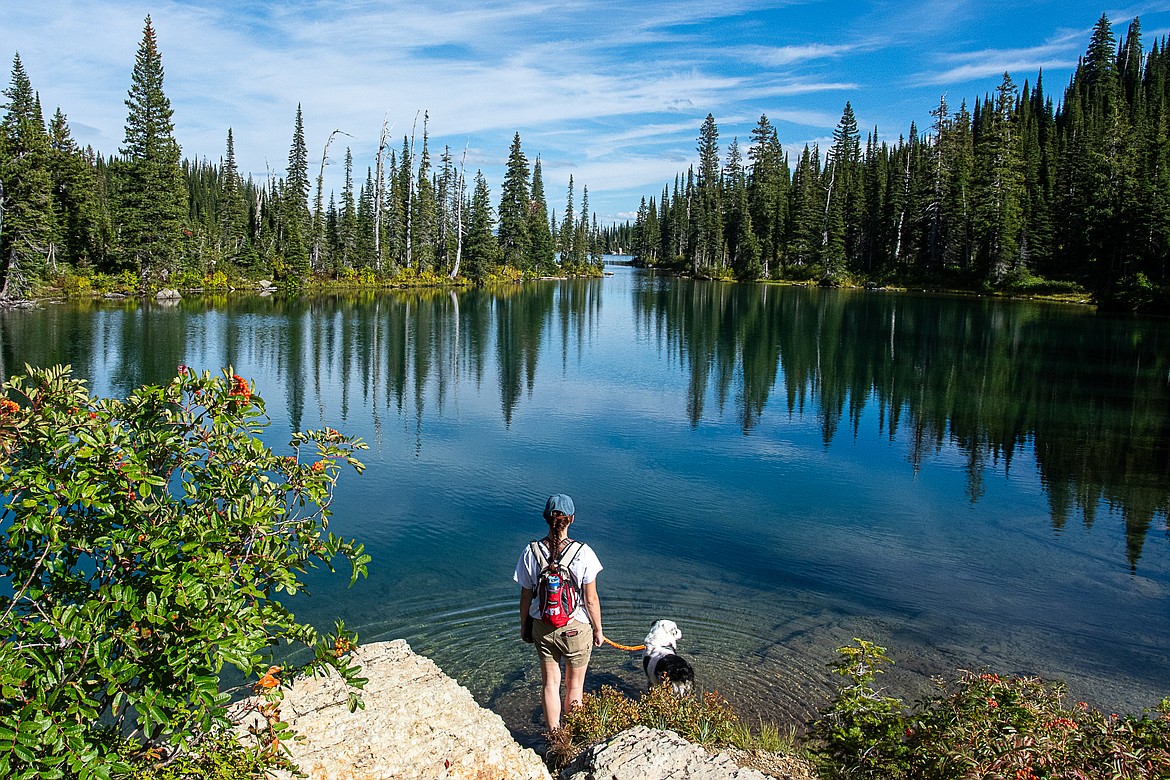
(1014,193)
(146,217)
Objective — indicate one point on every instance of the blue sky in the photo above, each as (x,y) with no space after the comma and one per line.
(610,92)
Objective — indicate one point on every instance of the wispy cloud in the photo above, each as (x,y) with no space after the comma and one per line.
(969,66)
(611,91)
(779,56)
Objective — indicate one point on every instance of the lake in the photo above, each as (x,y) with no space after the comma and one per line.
(974,483)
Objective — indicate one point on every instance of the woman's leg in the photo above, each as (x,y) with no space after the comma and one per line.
(574,685)
(550,674)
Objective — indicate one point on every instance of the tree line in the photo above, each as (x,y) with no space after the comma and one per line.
(1012,193)
(153,218)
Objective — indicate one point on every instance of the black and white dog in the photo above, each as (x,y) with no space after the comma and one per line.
(660,661)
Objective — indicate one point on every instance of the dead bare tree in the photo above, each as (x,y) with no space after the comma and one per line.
(459,213)
(318,217)
(408,165)
(380,192)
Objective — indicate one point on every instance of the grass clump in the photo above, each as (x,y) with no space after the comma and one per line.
(707,720)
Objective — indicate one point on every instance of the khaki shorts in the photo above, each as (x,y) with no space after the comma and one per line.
(572,642)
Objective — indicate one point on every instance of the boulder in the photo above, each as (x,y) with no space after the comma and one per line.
(167,294)
(418,724)
(643,753)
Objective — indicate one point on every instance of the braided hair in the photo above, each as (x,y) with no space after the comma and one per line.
(558,533)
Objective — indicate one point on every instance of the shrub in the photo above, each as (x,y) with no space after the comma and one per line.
(144,545)
(217,281)
(76,284)
(706,720)
(861,732)
(982,725)
(1020,727)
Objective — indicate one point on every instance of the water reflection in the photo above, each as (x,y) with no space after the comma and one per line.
(1088,394)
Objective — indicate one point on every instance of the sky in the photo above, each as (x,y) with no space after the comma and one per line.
(612,93)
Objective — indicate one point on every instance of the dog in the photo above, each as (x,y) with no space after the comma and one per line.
(660,661)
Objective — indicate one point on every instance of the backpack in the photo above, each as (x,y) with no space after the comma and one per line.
(557,593)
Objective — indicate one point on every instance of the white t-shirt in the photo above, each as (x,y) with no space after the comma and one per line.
(585,568)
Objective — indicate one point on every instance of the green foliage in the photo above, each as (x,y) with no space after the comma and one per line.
(861,733)
(982,725)
(146,543)
(705,720)
(219,757)
(1138,293)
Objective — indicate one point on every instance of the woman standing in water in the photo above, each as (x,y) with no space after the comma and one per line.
(560,633)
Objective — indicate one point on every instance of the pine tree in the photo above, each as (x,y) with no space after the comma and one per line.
(842,196)
(567,238)
(152,196)
(234,211)
(348,223)
(768,183)
(805,227)
(82,221)
(999,188)
(297,221)
(543,248)
(483,251)
(26,205)
(515,241)
(743,249)
(707,220)
(445,238)
(1090,124)
(424,219)
(365,250)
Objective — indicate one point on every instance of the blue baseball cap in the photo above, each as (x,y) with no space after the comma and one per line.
(561,504)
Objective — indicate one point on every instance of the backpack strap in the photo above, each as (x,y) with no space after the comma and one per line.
(576,548)
(542,560)
(538,554)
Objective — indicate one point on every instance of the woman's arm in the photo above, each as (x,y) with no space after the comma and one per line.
(593,608)
(525,625)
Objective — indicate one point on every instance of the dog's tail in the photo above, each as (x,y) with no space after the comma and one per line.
(612,643)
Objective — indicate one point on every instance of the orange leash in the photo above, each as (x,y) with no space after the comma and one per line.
(612,643)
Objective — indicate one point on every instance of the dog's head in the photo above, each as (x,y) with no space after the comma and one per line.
(664,633)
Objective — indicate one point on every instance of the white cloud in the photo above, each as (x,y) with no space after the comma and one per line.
(611,91)
(779,56)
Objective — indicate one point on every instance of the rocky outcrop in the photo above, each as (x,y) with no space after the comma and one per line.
(418,724)
(642,753)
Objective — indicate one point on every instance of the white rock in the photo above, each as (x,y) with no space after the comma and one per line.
(643,753)
(418,724)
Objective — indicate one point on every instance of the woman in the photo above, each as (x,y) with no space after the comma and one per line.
(574,641)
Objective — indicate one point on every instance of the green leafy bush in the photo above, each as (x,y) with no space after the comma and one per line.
(982,726)
(143,545)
